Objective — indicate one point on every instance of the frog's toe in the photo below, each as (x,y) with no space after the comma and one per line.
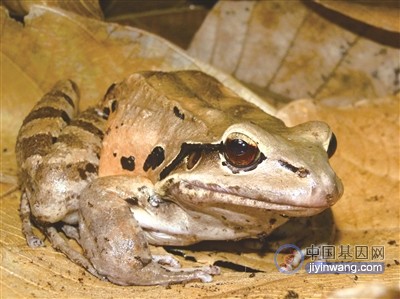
(34,242)
(213,270)
(205,274)
(167,260)
(204,277)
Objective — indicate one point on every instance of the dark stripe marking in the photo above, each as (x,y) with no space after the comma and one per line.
(67,98)
(300,171)
(178,113)
(74,87)
(47,112)
(128,163)
(93,116)
(114,106)
(192,160)
(133,201)
(154,159)
(89,127)
(89,168)
(187,149)
(106,113)
(38,144)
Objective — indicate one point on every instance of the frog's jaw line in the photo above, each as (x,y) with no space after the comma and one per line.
(224,195)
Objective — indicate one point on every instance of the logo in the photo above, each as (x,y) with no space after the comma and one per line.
(290,261)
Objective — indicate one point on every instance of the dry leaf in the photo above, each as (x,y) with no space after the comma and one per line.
(88,8)
(382,14)
(175,20)
(55,45)
(298,50)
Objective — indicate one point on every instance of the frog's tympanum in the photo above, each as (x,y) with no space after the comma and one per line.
(165,159)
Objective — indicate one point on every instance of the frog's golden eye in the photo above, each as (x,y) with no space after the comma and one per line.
(240,151)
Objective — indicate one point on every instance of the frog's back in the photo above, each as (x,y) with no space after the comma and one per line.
(153,113)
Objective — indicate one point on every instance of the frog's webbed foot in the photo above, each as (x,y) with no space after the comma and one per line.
(172,264)
(25,215)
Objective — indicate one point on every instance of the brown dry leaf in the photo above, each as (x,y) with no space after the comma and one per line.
(175,20)
(381,14)
(88,8)
(296,49)
(55,45)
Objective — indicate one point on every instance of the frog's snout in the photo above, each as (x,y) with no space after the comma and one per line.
(333,197)
(331,193)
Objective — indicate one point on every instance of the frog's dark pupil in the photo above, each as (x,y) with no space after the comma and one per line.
(238,147)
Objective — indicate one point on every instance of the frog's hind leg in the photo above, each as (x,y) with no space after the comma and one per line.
(114,242)
(39,131)
(25,215)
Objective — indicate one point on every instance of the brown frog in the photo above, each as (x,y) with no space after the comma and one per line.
(166,159)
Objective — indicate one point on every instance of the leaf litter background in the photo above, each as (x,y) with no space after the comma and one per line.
(306,60)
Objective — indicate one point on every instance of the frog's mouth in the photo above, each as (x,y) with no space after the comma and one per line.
(213,193)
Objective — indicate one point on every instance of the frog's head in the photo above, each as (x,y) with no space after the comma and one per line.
(285,170)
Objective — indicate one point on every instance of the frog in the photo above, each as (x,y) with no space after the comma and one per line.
(166,159)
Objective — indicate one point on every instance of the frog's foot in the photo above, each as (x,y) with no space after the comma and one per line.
(204,274)
(211,270)
(61,245)
(155,274)
(172,264)
(25,214)
(34,241)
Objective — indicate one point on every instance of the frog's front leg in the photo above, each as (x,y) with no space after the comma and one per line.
(114,242)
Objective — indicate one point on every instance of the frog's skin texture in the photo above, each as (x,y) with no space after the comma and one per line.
(167,159)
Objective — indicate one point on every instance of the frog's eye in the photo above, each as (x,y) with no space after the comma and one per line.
(332,146)
(240,151)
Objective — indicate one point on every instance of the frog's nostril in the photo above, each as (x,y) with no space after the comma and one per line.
(330,199)
(332,146)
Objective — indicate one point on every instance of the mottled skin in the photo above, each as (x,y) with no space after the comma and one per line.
(166,159)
